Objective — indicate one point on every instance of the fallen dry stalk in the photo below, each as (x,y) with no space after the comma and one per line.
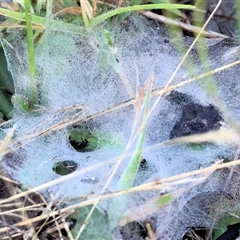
(145,187)
(182,25)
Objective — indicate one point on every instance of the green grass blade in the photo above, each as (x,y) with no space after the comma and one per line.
(40,22)
(130,173)
(68,27)
(99,19)
(30,38)
(33,91)
(12,14)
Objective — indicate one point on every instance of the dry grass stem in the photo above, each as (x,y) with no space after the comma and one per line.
(127,84)
(145,187)
(94,3)
(182,25)
(218,136)
(150,231)
(70,10)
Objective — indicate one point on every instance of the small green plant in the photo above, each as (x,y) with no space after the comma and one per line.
(83,140)
(65,167)
(98,225)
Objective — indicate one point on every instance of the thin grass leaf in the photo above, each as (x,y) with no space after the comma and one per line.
(30,41)
(68,27)
(130,173)
(84,12)
(99,19)
(29,38)
(40,22)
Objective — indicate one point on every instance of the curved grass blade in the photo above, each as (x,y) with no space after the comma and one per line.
(99,19)
(40,22)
